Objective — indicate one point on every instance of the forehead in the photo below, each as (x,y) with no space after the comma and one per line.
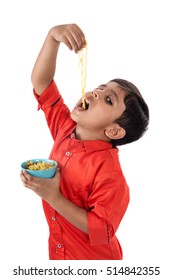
(116,88)
(113,85)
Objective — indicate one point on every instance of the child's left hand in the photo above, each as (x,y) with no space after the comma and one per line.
(47,189)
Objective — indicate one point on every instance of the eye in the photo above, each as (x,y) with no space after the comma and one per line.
(108,100)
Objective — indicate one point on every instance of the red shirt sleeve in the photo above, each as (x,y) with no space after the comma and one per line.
(108,203)
(56,112)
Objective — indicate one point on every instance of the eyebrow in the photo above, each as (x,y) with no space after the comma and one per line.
(116,96)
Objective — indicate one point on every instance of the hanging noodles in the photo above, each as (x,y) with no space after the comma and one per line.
(82,65)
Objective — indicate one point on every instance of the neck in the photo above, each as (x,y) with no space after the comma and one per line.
(89,135)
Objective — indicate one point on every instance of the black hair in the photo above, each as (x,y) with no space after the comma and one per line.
(135,118)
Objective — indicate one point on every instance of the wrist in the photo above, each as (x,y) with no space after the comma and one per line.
(57,201)
(52,35)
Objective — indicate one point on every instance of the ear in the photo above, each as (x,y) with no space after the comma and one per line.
(115,132)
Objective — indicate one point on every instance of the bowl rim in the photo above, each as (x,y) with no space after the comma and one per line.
(37,160)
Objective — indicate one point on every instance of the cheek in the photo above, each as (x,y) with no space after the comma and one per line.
(98,119)
(101,114)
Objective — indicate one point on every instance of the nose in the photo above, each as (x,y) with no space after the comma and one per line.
(95,94)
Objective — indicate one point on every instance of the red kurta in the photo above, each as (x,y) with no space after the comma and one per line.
(91,177)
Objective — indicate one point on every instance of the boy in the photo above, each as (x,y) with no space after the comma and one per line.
(85,201)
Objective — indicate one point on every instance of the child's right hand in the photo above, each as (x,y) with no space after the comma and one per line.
(69,34)
(44,69)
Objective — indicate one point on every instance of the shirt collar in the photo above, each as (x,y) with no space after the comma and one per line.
(96,145)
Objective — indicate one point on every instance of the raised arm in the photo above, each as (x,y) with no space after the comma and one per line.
(44,69)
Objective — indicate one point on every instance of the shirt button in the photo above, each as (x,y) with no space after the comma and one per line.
(67,154)
(53,218)
(59,245)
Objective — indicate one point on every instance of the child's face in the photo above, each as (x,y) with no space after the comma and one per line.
(103,105)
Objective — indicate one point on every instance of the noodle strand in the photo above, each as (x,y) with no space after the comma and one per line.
(83,65)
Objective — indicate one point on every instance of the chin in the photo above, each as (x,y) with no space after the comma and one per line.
(73,116)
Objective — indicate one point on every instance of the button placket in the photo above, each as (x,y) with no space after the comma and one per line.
(60,251)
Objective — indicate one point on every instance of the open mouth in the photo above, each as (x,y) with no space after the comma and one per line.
(84,106)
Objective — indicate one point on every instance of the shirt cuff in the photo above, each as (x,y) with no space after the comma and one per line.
(100,232)
(49,96)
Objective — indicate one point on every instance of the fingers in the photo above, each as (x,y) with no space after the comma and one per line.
(77,38)
(34,183)
(71,35)
(30,181)
(47,189)
(27,180)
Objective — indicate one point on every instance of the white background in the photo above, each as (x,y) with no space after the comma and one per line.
(130,39)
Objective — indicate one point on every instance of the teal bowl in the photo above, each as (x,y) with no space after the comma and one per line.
(46,173)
